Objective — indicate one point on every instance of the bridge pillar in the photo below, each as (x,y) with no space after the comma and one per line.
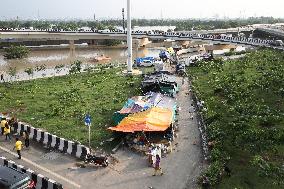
(72,48)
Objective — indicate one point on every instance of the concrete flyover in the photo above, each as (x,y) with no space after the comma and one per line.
(177,36)
(223,31)
(271,31)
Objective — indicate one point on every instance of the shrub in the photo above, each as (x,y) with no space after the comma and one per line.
(76,67)
(14,52)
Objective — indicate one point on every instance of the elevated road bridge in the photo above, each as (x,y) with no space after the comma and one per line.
(272,32)
(177,36)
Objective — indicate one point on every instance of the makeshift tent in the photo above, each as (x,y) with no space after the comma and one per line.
(154,119)
(141,103)
(133,105)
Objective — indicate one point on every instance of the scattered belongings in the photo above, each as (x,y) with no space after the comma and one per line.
(101,58)
(180,69)
(164,55)
(97,160)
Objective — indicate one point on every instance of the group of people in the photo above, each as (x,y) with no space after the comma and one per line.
(6,131)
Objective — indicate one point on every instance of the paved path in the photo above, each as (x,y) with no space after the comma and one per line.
(131,172)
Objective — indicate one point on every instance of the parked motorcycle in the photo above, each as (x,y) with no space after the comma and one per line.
(97,160)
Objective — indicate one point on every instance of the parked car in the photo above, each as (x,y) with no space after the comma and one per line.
(277,43)
(13,179)
(146,61)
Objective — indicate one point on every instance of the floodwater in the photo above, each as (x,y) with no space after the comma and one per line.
(52,57)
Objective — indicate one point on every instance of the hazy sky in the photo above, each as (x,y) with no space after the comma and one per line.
(85,9)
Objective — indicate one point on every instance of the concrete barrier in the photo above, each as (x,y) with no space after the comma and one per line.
(41,181)
(72,148)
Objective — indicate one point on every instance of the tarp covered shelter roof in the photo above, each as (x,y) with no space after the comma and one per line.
(134,105)
(154,119)
(160,82)
(141,103)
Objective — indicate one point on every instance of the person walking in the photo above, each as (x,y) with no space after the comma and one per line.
(26,137)
(7,131)
(18,147)
(3,123)
(2,77)
(157,166)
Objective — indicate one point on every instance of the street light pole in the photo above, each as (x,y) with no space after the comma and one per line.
(129,38)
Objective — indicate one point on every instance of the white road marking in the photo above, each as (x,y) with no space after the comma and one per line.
(42,168)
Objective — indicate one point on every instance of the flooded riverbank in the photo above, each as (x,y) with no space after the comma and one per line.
(54,57)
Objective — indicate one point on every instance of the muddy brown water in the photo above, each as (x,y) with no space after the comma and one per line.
(52,57)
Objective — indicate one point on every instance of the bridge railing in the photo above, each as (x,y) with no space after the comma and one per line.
(163,35)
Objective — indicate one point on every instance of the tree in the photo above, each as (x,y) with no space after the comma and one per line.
(76,67)
(12,72)
(100,26)
(29,71)
(14,52)
(111,42)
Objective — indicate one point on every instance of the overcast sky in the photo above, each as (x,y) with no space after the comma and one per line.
(85,9)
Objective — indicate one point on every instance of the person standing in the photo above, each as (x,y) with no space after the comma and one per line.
(18,146)
(3,123)
(157,166)
(150,155)
(2,77)
(26,137)
(191,111)
(7,131)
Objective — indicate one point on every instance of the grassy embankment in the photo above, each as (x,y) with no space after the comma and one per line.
(245,117)
(59,104)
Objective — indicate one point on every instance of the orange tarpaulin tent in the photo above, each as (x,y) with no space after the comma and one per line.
(154,119)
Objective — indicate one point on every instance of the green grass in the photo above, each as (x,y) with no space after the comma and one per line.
(245,102)
(244,175)
(59,104)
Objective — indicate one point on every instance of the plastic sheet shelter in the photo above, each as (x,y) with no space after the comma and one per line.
(133,105)
(154,119)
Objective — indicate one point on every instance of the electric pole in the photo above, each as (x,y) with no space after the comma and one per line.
(123,20)
(129,38)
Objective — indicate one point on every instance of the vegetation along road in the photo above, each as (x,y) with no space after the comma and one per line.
(244,113)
